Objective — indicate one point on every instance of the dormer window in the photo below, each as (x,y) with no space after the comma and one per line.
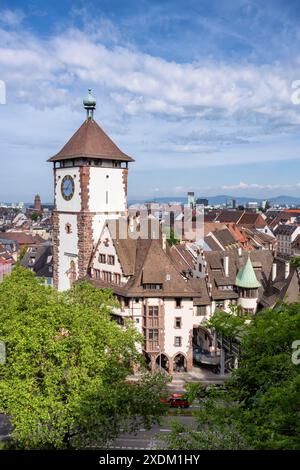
(152,286)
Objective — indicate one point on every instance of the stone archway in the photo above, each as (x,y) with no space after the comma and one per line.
(202,338)
(179,363)
(162,362)
(148,361)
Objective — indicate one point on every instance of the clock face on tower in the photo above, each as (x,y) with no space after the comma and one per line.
(67,187)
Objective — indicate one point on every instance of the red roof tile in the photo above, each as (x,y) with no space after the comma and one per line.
(91,141)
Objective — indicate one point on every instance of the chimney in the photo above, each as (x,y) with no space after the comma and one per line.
(286,269)
(226,265)
(164,241)
(274,271)
(131,224)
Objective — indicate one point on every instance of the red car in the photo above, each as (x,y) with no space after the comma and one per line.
(176,400)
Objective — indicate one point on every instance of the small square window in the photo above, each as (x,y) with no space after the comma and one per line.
(102,258)
(177,341)
(111,259)
(178,302)
(178,322)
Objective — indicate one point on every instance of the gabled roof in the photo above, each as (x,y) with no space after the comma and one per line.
(282,288)
(252,219)
(182,257)
(91,141)
(224,237)
(229,216)
(21,237)
(285,229)
(40,259)
(261,262)
(246,277)
(212,244)
(145,262)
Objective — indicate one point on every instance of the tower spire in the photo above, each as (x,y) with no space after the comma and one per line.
(89,104)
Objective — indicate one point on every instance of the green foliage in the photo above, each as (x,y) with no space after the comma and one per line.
(229,324)
(64,381)
(172,240)
(267,384)
(295,262)
(260,407)
(35,216)
(215,428)
(22,253)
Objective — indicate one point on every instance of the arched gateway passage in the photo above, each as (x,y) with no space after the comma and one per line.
(180,363)
(162,362)
(201,338)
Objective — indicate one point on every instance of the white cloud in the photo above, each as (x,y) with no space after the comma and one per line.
(166,114)
(11,17)
(145,83)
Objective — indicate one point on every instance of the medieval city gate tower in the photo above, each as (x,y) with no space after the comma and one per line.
(90,186)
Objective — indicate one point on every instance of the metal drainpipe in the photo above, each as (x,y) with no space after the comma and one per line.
(222,358)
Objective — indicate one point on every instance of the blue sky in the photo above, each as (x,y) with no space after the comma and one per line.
(198,92)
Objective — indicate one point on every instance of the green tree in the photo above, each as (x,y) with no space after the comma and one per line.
(64,380)
(172,240)
(295,262)
(35,216)
(230,324)
(22,253)
(260,407)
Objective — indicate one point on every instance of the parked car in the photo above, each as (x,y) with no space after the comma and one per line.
(176,400)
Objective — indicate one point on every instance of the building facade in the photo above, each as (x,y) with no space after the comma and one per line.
(169,292)
(286,234)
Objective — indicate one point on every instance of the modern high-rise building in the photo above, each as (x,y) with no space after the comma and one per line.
(191,199)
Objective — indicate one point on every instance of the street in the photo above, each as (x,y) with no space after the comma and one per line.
(150,439)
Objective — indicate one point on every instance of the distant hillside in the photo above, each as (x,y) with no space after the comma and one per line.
(222,199)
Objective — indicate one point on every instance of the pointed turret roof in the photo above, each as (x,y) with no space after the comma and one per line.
(246,277)
(91,141)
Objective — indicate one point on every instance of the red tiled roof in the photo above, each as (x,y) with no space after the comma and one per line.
(5,261)
(252,219)
(90,141)
(227,216)
(20,237)
(291,211)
